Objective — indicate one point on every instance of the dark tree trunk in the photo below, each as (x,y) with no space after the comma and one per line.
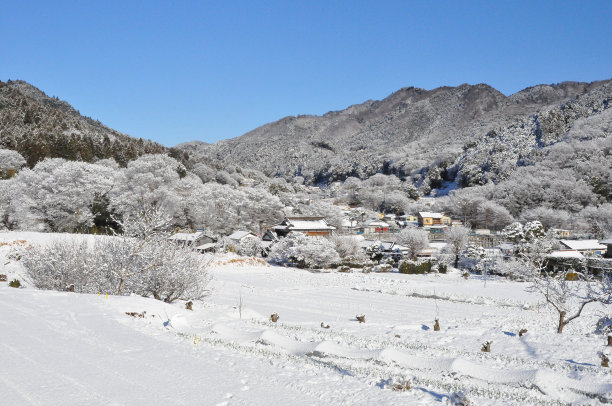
(561,322)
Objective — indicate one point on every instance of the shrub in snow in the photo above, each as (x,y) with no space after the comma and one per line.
(401,386)
(351,254)
(459,399)
(383,268)
(605,359)
(409,267)
(15,283)
(141,261)
(250,247)
(302,251)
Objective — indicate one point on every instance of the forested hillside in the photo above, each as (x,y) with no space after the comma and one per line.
(39,126)
(429,136)
(544,153)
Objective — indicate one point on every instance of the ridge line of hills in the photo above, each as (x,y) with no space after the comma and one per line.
(448,134)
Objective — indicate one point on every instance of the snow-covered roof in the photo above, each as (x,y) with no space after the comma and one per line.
(387,246)
(431,214)
(266,244)
(607,242)
(439,246)
(206,246)
(190,237)
(378,223)
(348,223)
(308,223)
(239,235)
(402,248)
(582,245)
(482,231)
(566,254)
(366,243)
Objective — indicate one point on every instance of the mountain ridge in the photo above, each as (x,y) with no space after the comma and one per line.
(38,126)
(387,135)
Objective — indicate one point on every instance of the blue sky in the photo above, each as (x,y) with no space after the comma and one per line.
(213,70)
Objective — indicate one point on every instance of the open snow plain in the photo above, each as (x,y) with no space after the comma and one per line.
(59,348)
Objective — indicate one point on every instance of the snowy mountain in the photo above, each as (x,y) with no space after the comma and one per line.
(39,126)
(409,132)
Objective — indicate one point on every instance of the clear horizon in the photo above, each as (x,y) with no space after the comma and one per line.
(207,72)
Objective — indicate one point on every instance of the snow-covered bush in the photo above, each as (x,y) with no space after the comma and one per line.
(383,268)
(302,251)
(250,246)
(410,267)
(142,260)
(121,266)
(349,251)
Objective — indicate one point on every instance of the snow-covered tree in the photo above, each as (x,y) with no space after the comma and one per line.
(304,251)
(492,215)
(349,249)
(58,195)
(457,239)
(11,162)
(415,239)
(513,232)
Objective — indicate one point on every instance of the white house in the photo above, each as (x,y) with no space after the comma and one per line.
(585,247)
(239,236)
(311,226)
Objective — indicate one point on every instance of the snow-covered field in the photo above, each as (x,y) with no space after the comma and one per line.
(60,348)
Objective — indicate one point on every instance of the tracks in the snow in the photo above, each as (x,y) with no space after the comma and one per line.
(376,359)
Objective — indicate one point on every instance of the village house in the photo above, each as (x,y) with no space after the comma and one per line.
(311,226)
(191,239)
(237,237)
(585,247)
(376,227)
(436,233)
(207,247)
(427,218)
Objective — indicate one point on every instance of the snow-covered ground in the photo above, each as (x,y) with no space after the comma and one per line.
(60,348)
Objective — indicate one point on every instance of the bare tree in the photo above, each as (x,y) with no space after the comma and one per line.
(567,291)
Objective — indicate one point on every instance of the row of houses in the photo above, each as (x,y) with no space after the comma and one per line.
(371,233)
(311,226)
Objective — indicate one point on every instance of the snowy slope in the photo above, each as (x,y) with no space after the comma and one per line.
(62,348)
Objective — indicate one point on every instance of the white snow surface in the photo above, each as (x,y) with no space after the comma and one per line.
(60,348)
